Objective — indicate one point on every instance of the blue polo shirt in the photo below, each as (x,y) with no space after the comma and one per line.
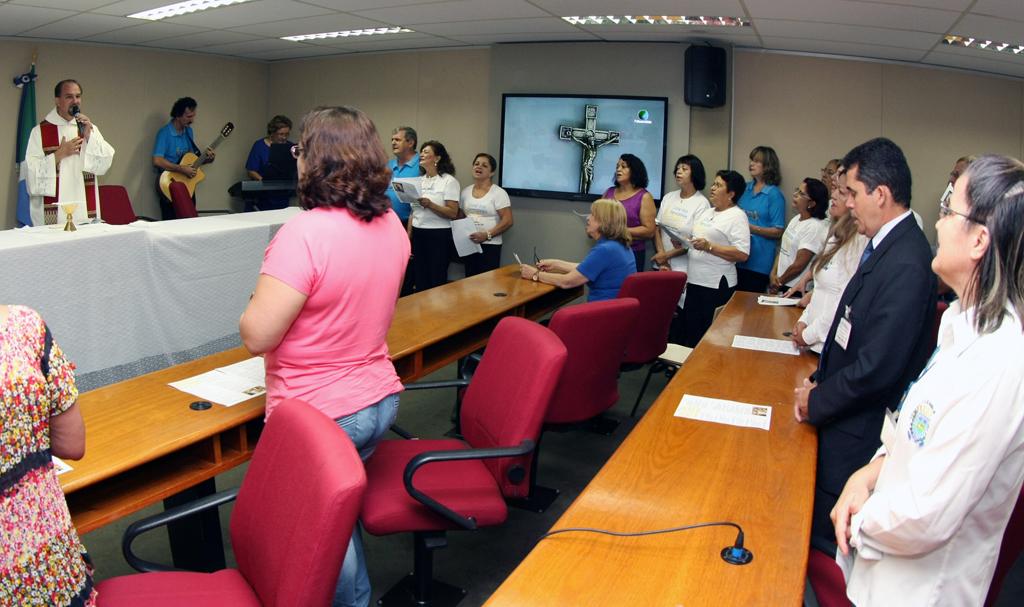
(606,266)
(407,169)
(765,209)
(171,144)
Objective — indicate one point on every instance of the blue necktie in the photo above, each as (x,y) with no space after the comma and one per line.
(868,250)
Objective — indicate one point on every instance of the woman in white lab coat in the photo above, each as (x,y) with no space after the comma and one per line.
(924,519)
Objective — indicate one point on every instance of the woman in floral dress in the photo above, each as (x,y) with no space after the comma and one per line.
(42,561)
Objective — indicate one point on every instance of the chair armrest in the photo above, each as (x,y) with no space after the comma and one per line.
(430,457)
(430,385)
(163,518)
(402,432)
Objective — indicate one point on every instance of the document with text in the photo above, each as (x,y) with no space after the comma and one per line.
(768,300)
(228,385)
(763,344)
(407,189)
(60,466)
(727,412)
(461,230)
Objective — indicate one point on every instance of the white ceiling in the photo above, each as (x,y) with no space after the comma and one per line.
(902,30)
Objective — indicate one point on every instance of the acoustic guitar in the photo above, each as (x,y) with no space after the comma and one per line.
(194,161)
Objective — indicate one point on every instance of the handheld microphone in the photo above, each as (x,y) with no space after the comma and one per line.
(75,111)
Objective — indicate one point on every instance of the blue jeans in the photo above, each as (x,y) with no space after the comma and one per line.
(365,428)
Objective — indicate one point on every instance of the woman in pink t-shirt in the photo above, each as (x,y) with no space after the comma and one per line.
(327,291)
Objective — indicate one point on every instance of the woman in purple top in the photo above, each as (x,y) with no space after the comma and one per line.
(629,189)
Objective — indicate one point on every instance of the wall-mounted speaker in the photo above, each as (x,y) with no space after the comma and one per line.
(704,76)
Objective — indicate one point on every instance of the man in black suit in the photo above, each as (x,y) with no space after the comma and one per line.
(880,338)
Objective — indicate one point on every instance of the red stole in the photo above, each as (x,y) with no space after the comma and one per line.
(50,135)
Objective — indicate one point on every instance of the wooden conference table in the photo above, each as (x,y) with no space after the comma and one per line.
(144,443)
(671,472)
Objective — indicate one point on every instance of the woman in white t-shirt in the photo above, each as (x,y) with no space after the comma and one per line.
(830,272)
(804,236)
(675,219)
(430,225)
(721,239)
(489,208)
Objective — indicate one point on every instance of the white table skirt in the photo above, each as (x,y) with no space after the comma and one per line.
(126,300)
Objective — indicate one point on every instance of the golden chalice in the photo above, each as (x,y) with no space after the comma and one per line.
(69,212)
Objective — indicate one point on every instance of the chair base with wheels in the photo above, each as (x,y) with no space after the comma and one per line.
(670,361)
(421,583)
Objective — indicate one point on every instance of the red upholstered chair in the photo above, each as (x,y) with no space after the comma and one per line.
(296,508)
(826,580)
(658,294)
(1009,551)
(116,206)
(430,486)
(183,206)
(595,336)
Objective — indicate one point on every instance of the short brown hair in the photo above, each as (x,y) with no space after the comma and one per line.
(344,164)
(611,220)
(278,122)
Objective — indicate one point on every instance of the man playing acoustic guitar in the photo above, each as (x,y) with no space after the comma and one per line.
(173,141)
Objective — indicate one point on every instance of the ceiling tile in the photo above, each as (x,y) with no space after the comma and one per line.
(507,38)
(302,52)
(854,13)
(358,5)
(144,32)
(843,48)
(16,19)
(991,28)
(847,33)
(401,45)
(562,8)
(128,7)
(459,10)
(199,40)
(249,13)
(251,46)
(80,26)
(1006,9)
(308,25)
(547,25)
(949,5)
(71,5)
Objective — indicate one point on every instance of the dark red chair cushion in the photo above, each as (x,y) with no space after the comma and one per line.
(115,206)
(509,396)
(658,294)
(595,335)
(826,580)
(181,202)
(175,589)
(467,487)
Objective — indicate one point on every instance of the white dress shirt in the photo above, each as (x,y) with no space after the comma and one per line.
(931,530)
(829,283)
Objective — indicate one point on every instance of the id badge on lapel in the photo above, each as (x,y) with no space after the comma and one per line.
(844,329)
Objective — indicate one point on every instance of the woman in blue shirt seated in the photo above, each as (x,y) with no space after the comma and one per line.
(258,165)
(607,264)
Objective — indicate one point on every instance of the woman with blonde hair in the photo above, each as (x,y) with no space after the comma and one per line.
(319,318)
(831,271)
(607,264)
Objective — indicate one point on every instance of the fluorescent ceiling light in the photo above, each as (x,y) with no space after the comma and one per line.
(657,20)
(349,33)
(988,45)
(182,8)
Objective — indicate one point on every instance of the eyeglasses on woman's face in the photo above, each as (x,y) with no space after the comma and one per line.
(945,210)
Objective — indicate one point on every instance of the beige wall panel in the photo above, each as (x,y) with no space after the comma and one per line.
(653,70)
(442,94)
(936,116)
(810,109)
(128,93)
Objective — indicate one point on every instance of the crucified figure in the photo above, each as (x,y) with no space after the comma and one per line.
(592,140)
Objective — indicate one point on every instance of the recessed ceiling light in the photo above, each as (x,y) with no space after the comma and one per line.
(182,8)
(988,45)
(657,20)
(349,33)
